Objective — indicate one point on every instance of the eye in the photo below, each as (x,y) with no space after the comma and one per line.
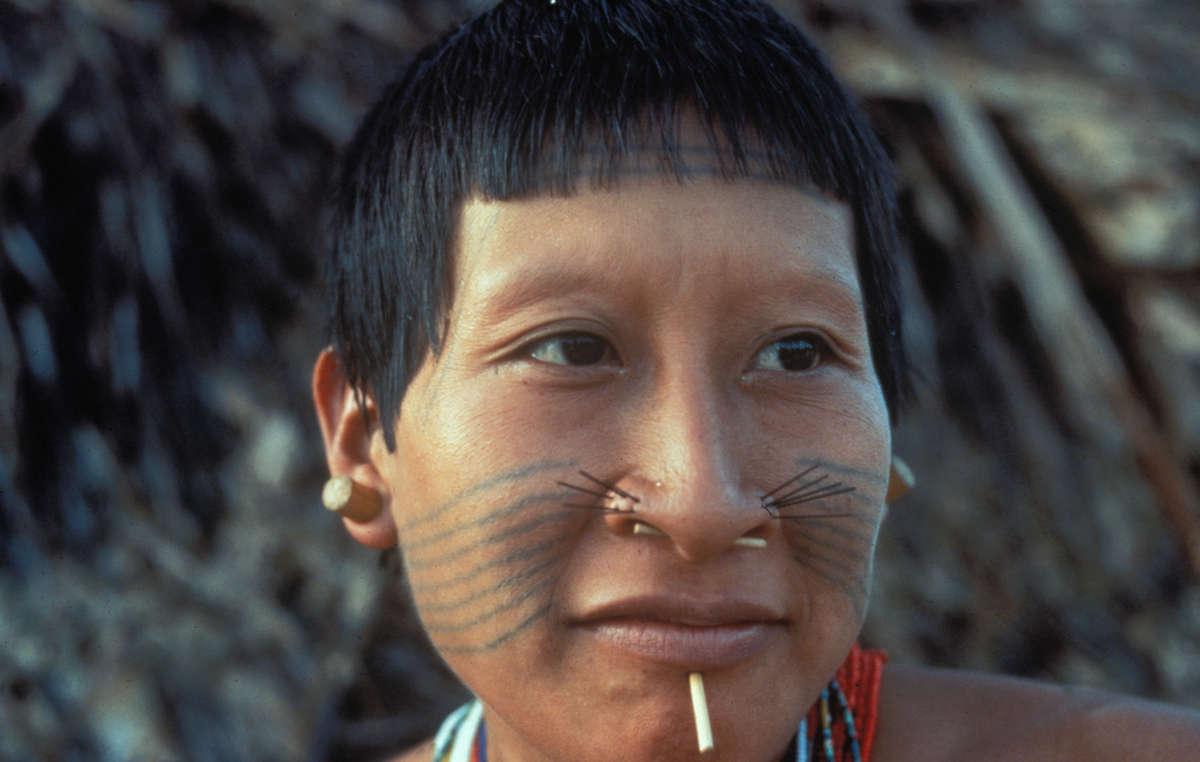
(796,353)
(573,349)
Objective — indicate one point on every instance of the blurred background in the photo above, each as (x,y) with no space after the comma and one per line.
(170,587)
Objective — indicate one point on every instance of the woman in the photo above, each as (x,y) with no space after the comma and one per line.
(617,353)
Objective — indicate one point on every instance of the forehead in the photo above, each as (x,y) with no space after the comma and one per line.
(698,233)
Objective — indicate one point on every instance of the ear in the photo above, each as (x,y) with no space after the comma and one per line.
(346,429)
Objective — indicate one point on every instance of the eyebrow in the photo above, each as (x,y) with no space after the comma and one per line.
(845,294)
(522,287)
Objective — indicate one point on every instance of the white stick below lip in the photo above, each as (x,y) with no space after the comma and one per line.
(700,708)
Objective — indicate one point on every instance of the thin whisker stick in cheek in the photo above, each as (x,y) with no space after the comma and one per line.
(597,508)
(829,491)
(803,489)
(800,490)
(610,487)
(616,500)
(807,491)
(584,490)
(795,478)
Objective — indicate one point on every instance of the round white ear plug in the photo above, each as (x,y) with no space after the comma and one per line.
(352,500)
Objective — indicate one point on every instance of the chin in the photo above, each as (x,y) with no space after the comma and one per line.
(649,717)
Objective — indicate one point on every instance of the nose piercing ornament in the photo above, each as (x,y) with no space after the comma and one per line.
(642,527)
(615,499)
(351,500)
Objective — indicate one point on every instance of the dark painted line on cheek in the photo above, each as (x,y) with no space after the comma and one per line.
(521,579)
(855,591)
(848,566)
(514,557)
(851,476)
(855,550)
(845,567)
(494,612)
(523,528)
(487,484)
(491,517)
(507,582)
(815,518)
(851,566)
(501,639)
(811,525)
(524,554)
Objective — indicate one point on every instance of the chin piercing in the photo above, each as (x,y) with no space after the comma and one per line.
(351,500)
(704,736)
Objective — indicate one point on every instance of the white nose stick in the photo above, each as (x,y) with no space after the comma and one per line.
(700,709)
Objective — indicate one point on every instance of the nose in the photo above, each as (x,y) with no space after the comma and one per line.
(686,456)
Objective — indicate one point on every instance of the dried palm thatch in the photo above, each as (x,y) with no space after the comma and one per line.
(169,587)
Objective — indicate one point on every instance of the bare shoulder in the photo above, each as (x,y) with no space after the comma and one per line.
(420,753)
(945,714)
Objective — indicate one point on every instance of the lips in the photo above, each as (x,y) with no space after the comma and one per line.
(684,632)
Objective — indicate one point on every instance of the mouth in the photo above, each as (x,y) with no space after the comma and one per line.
(694,635)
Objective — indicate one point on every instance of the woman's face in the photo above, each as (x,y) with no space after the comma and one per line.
(696,346)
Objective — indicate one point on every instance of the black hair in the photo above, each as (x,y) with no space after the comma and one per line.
(533,94)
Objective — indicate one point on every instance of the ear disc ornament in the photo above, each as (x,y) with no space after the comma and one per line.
(351,500)
(900,481)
